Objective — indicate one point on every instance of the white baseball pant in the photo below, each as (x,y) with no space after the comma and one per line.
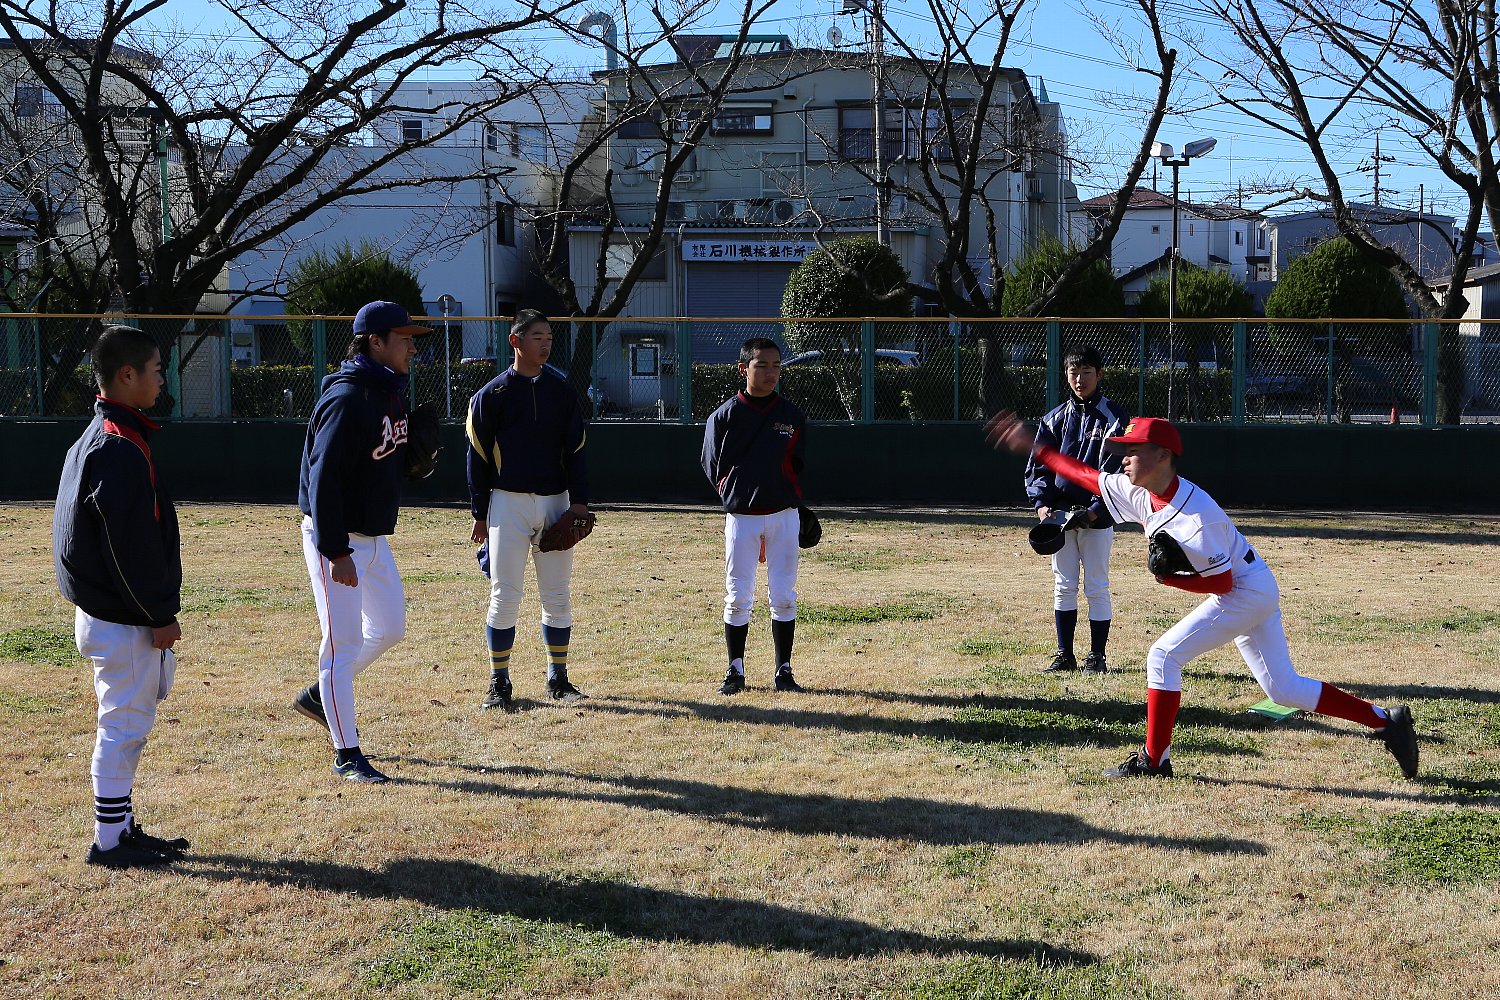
(1250,617)
(359,623)
(1085,552)
(743,534)
(516,523)
(130,678)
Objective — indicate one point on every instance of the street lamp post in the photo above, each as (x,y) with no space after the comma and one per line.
(446,304)
(1164,152)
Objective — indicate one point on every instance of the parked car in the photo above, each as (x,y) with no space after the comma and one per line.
(883,356)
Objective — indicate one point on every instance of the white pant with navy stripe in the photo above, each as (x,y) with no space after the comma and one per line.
(359,623)
(1250,617)
(1085,553)
(516,522)
(130,678)
(743,535)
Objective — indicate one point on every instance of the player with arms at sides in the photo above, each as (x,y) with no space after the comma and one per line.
(753,450)
(350,495)
(527,471)
(1196,547)
(1078,429)
(118,558)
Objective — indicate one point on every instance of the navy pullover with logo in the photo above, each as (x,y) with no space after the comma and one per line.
(753,451)
(352,459)
(1076,428)
(114,531)
(526,435)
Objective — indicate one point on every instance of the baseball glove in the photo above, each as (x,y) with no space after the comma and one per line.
(567,531)
(423,441)
(1164,557)
(809,529)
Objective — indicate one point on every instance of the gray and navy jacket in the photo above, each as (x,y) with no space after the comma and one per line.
(526,435)
(1078,429)
(753,453)
(114,531)
(352,458)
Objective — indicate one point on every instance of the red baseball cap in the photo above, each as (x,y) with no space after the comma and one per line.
(1151,430)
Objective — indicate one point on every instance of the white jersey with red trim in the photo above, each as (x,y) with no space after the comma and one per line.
(1209,538)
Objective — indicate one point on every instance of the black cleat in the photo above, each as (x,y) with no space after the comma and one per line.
(559,688)
(359,770)
(1400,738)
(1060,663)
(138,838)
(308,704)
(734,682)
(1137,765)
(1094,663)
(126,855)
(499,696)
(785,681)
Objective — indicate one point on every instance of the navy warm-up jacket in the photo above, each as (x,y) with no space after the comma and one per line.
(753,452)
(353,455)
(114,531)
(526,435)
(1077,428)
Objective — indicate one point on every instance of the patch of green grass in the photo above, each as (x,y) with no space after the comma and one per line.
(16,703)
(856,560)
(1459,845)
(440,577)
(1347,626)
(988,646)
(51,646)
(1000,979)
(965,861)
(915,608)
(207,599)
(1327,822)
(478,951)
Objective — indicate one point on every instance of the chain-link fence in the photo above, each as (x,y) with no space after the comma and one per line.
(859,370)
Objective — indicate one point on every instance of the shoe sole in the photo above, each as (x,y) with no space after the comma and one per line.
(362,779)
(309,714)
(508,706)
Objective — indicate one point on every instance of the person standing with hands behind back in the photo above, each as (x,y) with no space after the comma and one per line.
(753,449)
(118,558)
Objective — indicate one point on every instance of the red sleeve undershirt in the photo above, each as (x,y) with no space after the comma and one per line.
(1087,476)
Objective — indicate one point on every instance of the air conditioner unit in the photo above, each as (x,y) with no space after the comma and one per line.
(682,211)
(758,212)
(724,211)
(784,210)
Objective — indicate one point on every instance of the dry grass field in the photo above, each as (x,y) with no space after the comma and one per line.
(927,822)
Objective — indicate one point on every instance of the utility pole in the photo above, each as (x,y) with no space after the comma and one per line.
(877,73)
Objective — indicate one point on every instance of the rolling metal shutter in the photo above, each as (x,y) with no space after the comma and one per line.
(737,290)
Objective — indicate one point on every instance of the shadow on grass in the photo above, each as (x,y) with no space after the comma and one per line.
(618,908)
(1387,693)
(923,821)
(1023,721)
(1434,788)
(1438,531)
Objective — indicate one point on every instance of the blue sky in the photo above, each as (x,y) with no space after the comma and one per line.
(1083,71)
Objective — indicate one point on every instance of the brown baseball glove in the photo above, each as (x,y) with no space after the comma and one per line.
(567,531)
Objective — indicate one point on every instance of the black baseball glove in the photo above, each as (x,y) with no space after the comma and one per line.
(423,441)
(809,528)
(1164,557)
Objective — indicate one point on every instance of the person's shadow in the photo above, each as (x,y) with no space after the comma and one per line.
(618,908)
(899,818)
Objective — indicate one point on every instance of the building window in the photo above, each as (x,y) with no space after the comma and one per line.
(1156,230)
(1260,239)
(505,225)
(643,126)
(926,133)
(856,133)
(28,100)
(1239,238)
(1191,228)
(529,142)
(743,119)
(618,258)
(492,138)
(411,130)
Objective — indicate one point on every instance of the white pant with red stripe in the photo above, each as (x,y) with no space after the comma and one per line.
(359,623)
(743,537)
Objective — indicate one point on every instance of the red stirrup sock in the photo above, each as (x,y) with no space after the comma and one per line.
(1343,705)
(1161,716)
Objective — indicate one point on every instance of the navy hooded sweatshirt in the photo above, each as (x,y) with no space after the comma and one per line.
(353,456)
(114,531)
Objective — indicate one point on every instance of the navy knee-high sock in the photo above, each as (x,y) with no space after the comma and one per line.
(1067,624)
(1098,635)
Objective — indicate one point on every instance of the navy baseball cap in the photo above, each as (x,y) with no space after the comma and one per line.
(386,317)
